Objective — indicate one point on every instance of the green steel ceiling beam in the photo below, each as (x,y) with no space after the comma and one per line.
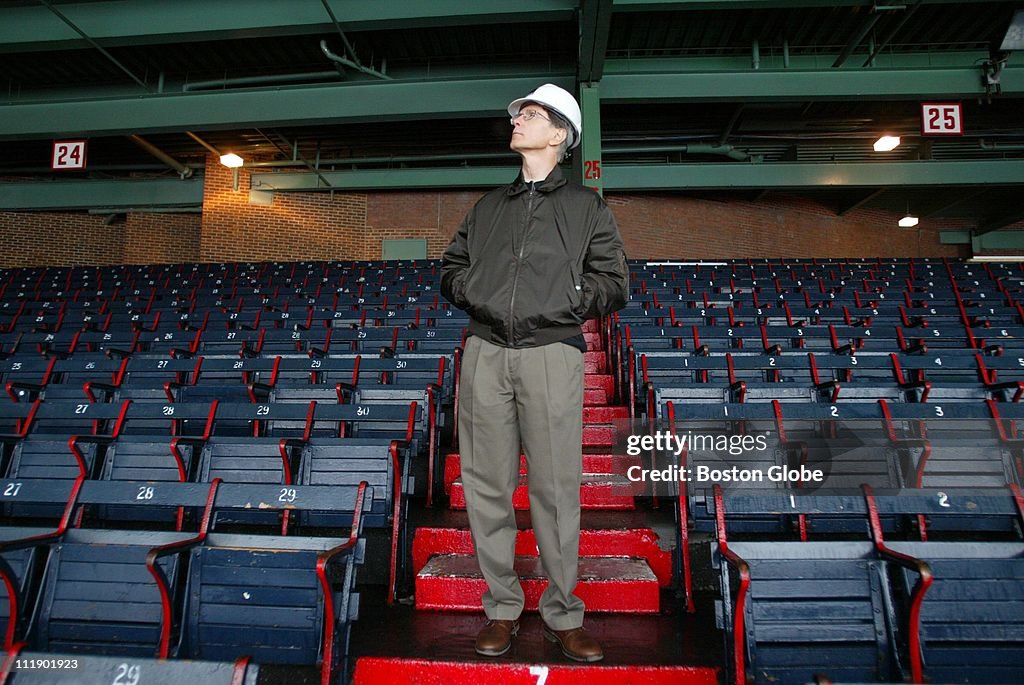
(595,23)
(630,177)
(105,194)
(386,179)
(138,22)
(625,82)
(811,175)
(473,97)
(284,106)
(772,58)
(689,5)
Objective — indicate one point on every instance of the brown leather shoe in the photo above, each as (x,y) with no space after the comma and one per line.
(576,644)
(495,638)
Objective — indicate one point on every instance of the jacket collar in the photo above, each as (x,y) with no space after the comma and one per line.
(554,180)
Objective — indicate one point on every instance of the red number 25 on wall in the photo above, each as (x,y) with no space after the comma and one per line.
(942,119)
(591,169)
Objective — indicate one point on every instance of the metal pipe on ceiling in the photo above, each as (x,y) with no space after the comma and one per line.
(183,171)
(689,148)
(261,80)
(349,63)
(1000,147)
(344,39)
(202,142)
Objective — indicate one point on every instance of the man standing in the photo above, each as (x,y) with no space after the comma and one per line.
(529,263)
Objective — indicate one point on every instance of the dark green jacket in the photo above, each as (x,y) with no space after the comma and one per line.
(529,266)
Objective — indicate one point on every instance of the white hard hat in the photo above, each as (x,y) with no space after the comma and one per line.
(556,99)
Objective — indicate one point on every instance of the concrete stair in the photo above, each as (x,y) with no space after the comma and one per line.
(636,543)
(594,362)
(598,389)
(595,460)
(597,491)
(623,573)
(606,584)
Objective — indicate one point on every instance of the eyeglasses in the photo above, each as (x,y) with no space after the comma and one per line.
(528,115)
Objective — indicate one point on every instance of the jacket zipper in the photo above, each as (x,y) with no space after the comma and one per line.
(515,276)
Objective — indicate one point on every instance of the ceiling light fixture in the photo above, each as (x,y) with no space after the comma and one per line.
(233,162)
(908,220)
(887,143)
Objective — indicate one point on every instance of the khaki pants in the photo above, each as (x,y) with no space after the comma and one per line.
(530,399)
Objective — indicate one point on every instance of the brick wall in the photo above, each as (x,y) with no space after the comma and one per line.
(662,226)
(295,226)
(161,238)
(430,215)
(317,225)
(352,226)
(68,238)
(52,238)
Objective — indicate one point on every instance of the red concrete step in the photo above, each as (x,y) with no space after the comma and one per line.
(599,436)
(590,326)
(606,584)
(594,342)
(595,397)
(605,415)
(598,491)
(639,543)
(594,362)
(604,381)
(397,671)
(593,462)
